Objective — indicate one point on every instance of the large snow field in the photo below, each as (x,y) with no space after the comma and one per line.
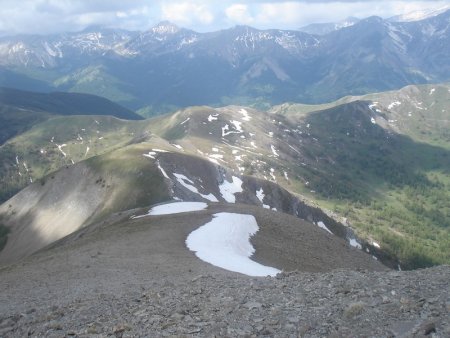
(225,242)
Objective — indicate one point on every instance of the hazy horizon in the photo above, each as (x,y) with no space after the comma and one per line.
(57,16)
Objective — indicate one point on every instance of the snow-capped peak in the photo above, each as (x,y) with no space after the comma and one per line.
(165,27)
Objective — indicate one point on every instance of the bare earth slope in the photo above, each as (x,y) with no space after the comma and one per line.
(131,277)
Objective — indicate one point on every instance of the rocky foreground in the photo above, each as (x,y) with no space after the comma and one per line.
(129,277)
(341,303)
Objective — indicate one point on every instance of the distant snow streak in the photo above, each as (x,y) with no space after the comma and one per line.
(323,226)
(185,121)
(274,151)
(354,243)
(189,184)
(162,170)
(246,117)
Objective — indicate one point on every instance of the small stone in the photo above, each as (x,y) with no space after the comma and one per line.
(55,325)
(354,310)
(178,316)
(293,319)
(273,321)
(253,305)
(426,329)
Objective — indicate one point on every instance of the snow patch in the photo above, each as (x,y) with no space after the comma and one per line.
(373,105)
(185,121)
(212,118)
(376,245)
(237,125)
(373,120)
(393,104)
(178,146)
(432,90)
(323,226)
(224,130)
(60,149)
(162,170)
(272,171)
(260,195)
(174,208)
(354,243)
(274,151)
(150,154)
(189,184)
(228,189)
(246,117)
(225,242)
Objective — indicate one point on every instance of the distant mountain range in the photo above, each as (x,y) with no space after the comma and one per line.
(328,27)
(168,67)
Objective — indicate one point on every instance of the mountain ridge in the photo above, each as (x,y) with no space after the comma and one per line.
(141,70)
(357,158)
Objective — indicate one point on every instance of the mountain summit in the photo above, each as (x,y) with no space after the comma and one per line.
(165,27)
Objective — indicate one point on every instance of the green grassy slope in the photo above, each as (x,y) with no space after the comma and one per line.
(391,178)
(61,141)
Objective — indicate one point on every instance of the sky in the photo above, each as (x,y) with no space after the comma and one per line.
(56,16)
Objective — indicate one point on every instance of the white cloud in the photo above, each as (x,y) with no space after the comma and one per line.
(51,16)
(289,12)
(186,13)
(239,13)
